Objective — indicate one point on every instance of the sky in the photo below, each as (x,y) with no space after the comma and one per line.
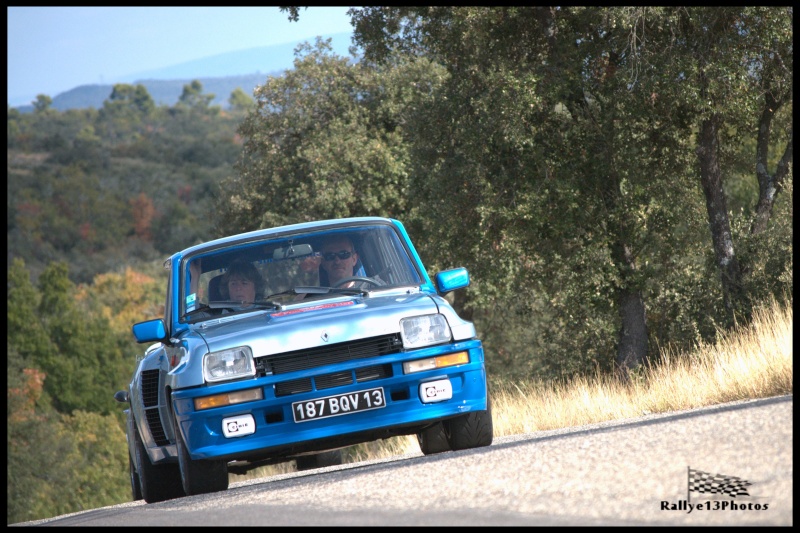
(54,49)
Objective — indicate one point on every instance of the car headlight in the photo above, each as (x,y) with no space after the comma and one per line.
(229,364)
(419,331)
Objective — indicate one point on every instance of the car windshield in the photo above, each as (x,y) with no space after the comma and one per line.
(293,268)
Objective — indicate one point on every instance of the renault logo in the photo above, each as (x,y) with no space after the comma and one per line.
(325,336)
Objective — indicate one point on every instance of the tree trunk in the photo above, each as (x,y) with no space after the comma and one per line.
(719,224)
(632,343)
(768,186)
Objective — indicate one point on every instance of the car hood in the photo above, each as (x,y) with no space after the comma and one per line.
(313,324)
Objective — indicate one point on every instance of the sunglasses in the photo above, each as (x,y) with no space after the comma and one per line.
(330,256)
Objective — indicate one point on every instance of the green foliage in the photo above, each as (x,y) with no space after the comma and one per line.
(326,140)
(767,258)
(25,332)
(81,375)
(35,465)
(83,360)
(66,446)
(99,464)
(565,141)
(240,101)
(193,97)
(42,103)
(64,464)
(71,176)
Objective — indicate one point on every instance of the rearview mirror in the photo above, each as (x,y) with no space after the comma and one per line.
(289,252)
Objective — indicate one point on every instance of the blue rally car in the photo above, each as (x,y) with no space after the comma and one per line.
(292,343)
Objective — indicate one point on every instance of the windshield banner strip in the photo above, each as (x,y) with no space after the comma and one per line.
(312,308)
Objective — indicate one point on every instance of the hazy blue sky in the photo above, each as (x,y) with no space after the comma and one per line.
(54,49)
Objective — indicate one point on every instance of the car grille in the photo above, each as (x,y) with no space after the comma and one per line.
(150,403)
(150,388)
(325,355)
(337,379)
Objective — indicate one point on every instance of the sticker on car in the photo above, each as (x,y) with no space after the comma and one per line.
(435,391)
(238,426)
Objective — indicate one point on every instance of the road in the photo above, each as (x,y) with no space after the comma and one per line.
(620,473)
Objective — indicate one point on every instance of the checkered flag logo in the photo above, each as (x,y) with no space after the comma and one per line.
(706,483)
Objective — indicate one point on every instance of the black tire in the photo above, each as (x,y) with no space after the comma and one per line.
(199,477)
(319,460)
(470,430)
(433,440)
(136,488)
(156,482)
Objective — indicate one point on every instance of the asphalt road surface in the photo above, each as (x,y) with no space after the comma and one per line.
(627,473)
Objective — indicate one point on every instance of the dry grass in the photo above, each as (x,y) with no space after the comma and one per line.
(753,362)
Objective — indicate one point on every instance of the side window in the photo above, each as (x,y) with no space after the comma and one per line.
(396,267)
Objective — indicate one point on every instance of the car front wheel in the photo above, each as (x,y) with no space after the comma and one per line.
(470,430)
(153,483)
(433,439)
(136,487)
(199,477)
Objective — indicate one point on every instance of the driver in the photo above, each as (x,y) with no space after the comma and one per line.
(339,259)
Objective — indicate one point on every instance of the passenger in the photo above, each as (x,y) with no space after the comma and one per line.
(242,283)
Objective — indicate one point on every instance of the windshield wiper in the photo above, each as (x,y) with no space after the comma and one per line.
(232,305)
(202,308)
(265,304)
(330,290)
(297,291)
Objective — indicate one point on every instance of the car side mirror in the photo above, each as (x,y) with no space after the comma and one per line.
(150,331)
(450,280)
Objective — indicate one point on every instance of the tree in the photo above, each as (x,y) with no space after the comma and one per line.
(25,332)
(240,100)
(43,456)
(572,125)
(136,99)
(76,458)
(85,370)
(143,213)
(325,140)
(193,97)
(42,103)
(34,463)
(519,101)
(735,63)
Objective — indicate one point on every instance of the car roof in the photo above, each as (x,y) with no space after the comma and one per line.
(277,231)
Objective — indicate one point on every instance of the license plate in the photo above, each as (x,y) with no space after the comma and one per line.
(341,404)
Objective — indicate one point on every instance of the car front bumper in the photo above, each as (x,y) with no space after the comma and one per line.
(275,429)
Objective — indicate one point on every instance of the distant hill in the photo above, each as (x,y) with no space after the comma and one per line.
(220,75)
(163,92)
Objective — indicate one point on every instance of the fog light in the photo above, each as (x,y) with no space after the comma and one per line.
(230,398)
(441,361)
